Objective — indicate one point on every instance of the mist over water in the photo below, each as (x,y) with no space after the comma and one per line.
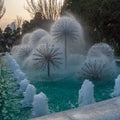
(67,35)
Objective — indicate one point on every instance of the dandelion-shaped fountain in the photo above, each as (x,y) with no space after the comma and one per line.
(68,30)
(47,57)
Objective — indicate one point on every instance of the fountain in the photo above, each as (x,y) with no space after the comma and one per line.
(86,93)
(45,58)
(99,64)
(12,26)
(95,69)
(28,96)
(23,85)
(19,75)
(22,53)
(36,36)
(8,57)
(69,31)
(26,39)
(101,49)
(40,51)
(40,105)
(12,62)
(116,91)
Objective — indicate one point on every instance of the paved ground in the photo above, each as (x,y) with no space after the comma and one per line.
(106,110)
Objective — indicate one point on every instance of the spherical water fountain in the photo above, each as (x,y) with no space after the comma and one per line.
(19,75)
(47,57)
(22,53)
(99,64)
(68,31)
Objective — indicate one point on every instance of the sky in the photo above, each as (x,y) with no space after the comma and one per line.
(14,8)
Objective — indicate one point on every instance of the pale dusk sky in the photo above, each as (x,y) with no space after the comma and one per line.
(14,8)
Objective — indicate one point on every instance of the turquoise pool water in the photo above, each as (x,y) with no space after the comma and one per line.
(63,94)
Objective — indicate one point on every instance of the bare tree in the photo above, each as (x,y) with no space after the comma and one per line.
(2,8)
(49,9)
(18,21)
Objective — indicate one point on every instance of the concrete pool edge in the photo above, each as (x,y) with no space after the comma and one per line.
(105,110)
